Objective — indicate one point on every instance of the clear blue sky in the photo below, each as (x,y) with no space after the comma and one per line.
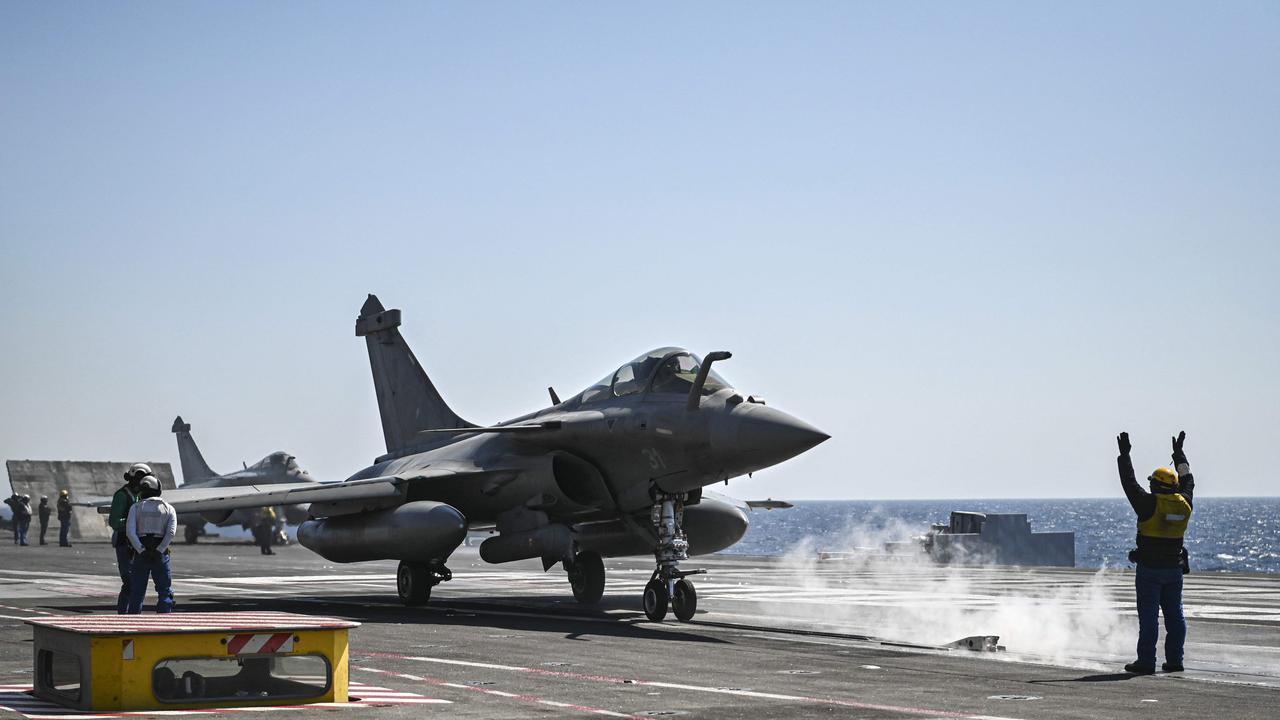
(972,241)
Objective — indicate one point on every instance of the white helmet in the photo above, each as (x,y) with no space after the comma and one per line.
(136,471)
(149,486)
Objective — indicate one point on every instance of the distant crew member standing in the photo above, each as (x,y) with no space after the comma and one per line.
(12,502)
(264,529)
(64,518)
(1163,515)
(124,499)
(22,518)
(44,511)
(150,527)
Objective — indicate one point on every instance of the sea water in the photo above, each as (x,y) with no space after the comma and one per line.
(1226,534)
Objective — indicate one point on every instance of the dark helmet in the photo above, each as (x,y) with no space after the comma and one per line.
(149,487)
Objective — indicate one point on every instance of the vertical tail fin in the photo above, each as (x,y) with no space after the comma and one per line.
(194,468)
(407,400)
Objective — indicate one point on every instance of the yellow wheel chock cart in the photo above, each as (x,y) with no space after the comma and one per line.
(186,661)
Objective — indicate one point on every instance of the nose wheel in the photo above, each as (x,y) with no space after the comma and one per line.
(655,600)
(670,587)
(682,600)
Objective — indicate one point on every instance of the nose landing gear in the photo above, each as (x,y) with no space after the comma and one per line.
(670,585)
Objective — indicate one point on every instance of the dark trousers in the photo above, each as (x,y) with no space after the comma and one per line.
(262,535)
(154,566)
(63,530)
(1160,590)
(44,527)
(124,558)
(22,525)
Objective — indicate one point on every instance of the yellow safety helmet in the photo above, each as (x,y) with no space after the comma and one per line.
(1164,476)
(64,493)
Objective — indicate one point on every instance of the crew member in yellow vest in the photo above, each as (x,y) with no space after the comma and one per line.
(1163,516)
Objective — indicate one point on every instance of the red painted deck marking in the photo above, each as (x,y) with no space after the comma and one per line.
(17,699)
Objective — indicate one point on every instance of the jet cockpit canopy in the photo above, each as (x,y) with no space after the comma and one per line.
(666,371)
(277,459)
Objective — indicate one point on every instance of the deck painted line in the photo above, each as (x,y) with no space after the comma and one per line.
(528,699)
(840,702)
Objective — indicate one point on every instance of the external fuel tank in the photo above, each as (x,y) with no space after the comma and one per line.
(422,531)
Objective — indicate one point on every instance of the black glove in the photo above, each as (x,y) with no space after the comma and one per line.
(1123,441)
(1179,457)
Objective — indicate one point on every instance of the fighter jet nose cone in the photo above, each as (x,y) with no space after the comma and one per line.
(767,436)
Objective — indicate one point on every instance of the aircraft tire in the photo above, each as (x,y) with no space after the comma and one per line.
(587,577)
(413,583)
(191,533)
(655,600)
(685,602)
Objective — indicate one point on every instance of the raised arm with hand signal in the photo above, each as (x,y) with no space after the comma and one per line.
(1179,457)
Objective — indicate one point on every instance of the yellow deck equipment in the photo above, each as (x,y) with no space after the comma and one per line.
(186,661)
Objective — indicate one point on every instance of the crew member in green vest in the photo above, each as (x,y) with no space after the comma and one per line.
(1163,515)
(124,499)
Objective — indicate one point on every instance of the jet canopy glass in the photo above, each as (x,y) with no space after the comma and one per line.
(666,371)
(276,460)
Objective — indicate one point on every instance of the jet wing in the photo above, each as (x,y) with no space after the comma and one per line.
(218,499)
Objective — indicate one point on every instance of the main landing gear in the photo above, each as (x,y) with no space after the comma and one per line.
(414,581)
(670,586)
(586,577)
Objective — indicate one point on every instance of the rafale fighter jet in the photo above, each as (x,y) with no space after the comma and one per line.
(276,468)
(618,469)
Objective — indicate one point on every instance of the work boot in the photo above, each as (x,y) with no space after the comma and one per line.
(1170,667)
(1138,668)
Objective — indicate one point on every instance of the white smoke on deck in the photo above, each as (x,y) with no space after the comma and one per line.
(1061,618)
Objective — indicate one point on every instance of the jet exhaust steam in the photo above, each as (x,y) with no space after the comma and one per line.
(1073,622)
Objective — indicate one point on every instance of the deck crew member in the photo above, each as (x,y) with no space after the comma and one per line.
(64,518)
(1163,515)
(150,528)
(12,502)
(124,499)
(44,511)
(264,528)
(22,518)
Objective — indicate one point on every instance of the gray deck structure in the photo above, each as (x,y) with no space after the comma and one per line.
(85,479)
(854,640)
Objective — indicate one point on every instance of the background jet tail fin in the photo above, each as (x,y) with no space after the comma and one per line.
(193,465)
(407,400)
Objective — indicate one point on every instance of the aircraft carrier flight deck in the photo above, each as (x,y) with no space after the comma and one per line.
(509,641)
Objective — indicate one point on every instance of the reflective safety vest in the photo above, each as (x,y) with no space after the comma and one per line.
(153,517)
(1171,517)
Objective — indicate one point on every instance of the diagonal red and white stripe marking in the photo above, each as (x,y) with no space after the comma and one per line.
(259,643)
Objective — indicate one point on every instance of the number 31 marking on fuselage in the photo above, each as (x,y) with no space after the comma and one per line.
(655,458)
